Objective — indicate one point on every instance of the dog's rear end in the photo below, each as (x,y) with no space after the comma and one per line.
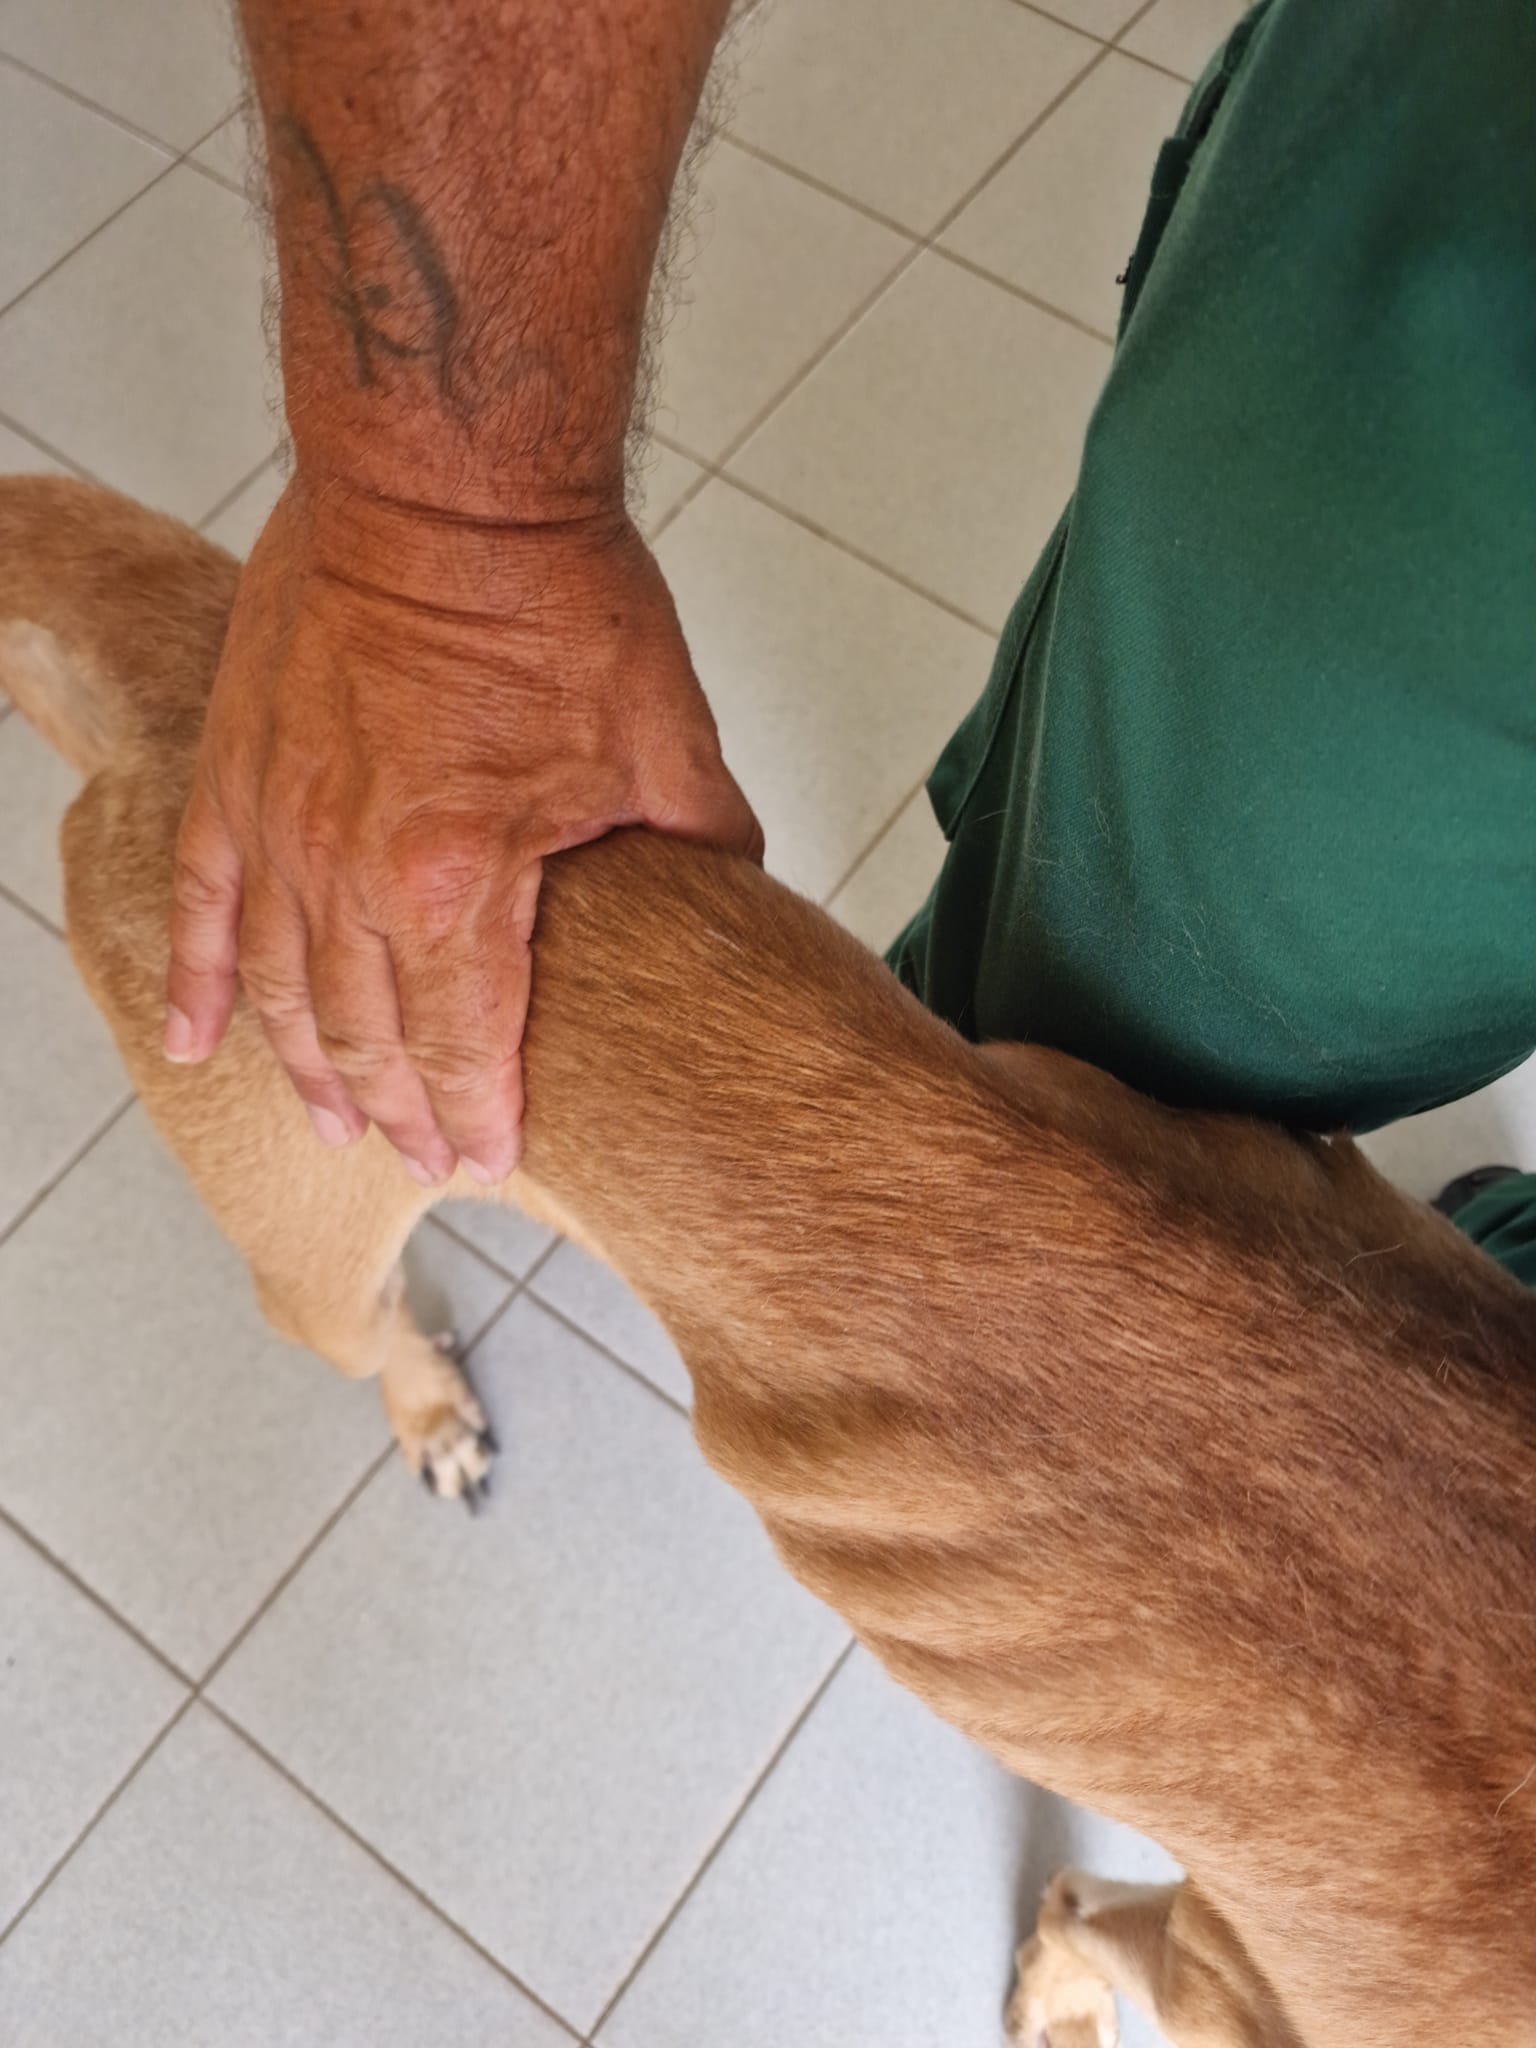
(1092,1419)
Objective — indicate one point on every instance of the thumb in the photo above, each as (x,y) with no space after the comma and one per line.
(205,926)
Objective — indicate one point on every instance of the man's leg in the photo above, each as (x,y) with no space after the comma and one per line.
(1247,814)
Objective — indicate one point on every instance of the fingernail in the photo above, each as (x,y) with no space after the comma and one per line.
(178,1034)
(488,1176)
(329,1128)
(423,1176)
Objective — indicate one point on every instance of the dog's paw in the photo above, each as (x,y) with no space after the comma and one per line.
(1058,2001)
(440,1427)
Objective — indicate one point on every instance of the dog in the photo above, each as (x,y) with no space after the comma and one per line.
(1176,1458)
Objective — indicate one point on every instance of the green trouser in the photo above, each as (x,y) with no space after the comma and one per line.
(1247,812)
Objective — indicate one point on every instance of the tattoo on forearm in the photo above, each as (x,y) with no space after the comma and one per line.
(385,275)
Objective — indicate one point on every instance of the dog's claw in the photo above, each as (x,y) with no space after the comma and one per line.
(487,1442)
(429,1478)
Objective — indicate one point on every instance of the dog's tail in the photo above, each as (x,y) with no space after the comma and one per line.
(111,617)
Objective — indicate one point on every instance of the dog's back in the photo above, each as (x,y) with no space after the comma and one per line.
(1177,1459)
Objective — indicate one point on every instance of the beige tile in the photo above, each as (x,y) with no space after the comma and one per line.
(59,1071)
(36,787)
(546,1716)
(898,103)
(227,151)
(214,1907)
(884,891)
(449,1289)
(891,1861)
(160,1440)
(657,483)
(1095,17)
(1184,34)
(166,65)
(1061,220)
(63,169)
(18,457)
(834,688)
(238,524)
(773,270)
(594,1296)
(499,1232)
(142,357)
(941,437)
(79,1702)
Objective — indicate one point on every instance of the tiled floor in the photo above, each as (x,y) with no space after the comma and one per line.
(286,1753)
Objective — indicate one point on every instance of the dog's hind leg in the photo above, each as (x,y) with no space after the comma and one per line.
(1162,1946)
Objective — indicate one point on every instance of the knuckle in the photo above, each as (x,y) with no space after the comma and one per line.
(435,878)
(459,1074)
(196,893)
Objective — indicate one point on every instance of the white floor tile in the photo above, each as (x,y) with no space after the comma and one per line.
(658,484)
(1061,220)
(36,788)
(898,103)
(18,457)
(238,524)
(942,437)
(166,65)
(834,688)
(1184,34)
(543,1717)
(892,883)
(59,1071)
(871,1896)
(771,269)
(448,1288)
(594,1296)
(1495,1127)
(227,152)
(142,357)
(159,1439)
(63,169)
(1095,17)
(79,1703)
(505,1235)
(214,1905)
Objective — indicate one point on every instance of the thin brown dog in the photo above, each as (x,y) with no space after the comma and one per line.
(1177,1459)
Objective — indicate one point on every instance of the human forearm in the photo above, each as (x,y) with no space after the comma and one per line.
(467,197)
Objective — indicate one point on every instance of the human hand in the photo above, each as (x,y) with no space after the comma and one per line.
(410,712)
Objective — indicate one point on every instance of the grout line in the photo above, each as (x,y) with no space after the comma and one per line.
(801,177)
(244,484)
(682,503)
(1032,129)
(377,1856)
(723,1837)
(20,903)
(1151,63)
(215,177)
(9,1230)
(47,448)
(606,1351)
(75,247)
(818,356)
(884,832)
(69,92)
(97,1600)
(1017,291)
(286,1578)
(486,1258)
(544,1258)
(847,547)
(96,1818)
(1045,14)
